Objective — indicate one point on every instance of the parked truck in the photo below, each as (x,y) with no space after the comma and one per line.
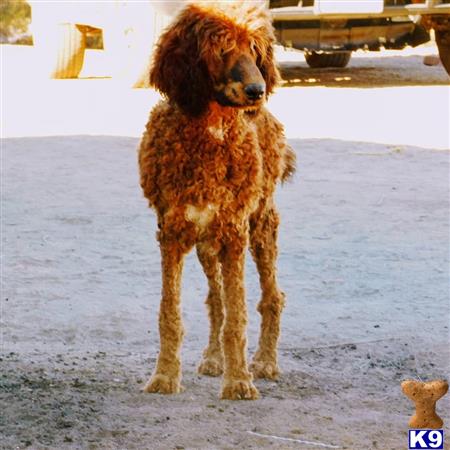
(328,31)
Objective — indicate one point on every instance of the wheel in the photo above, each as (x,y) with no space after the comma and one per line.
(320,60)
(443,44)
(61,49)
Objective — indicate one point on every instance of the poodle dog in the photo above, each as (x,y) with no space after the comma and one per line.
(209,160)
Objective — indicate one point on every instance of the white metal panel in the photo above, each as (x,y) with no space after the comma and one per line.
(348,6)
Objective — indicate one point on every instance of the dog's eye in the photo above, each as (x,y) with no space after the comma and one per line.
(223,53)
(257,51)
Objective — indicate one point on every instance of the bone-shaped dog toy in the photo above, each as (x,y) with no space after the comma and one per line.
(425,396)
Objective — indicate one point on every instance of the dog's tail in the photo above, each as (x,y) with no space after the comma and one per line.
(289,163)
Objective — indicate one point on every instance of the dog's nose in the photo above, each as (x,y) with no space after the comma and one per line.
(254,91)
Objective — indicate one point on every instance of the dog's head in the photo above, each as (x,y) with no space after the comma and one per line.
(221,53)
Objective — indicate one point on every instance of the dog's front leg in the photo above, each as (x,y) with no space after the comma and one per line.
(212,361)
(237,381)
(263,244)
(167,376)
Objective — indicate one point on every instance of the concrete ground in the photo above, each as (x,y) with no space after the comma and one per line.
(364,262)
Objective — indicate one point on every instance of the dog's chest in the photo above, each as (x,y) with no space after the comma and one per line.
(217,131)
(226,180)
(221,160)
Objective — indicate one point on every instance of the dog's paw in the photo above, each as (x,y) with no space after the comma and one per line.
(211,367)
(163,384)
(264,369)
(239,390)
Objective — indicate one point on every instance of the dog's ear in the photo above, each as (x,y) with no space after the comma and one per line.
(269,70)
(177,70)
(264,40)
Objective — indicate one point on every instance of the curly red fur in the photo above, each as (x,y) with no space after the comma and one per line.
(210,169)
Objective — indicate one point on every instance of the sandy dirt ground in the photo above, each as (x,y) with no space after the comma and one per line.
(364,262)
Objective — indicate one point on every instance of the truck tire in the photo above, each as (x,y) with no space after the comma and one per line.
(321,60)
(61,49)
(443,44)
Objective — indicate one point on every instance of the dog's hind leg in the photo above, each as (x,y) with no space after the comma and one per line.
(237,380)
(167,376)
(212,361)
(263,245)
